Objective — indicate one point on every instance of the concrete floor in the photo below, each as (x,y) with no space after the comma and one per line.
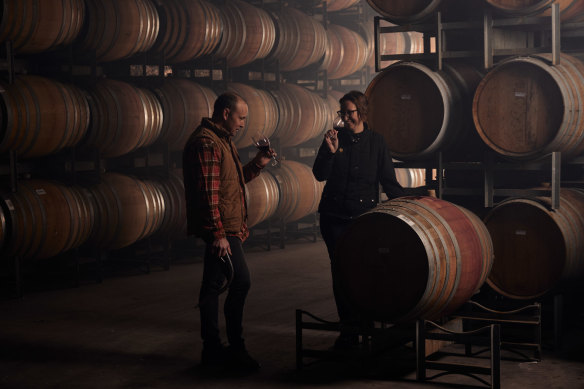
(142,331)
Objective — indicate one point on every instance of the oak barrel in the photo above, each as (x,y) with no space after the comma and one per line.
(188,29)
(124,118)
(410,178)
(346,52)
(47,219)
(420,111)
(572,10)
(127,210)
(174,223)
(536,248)
(301,39)
(262,117)
(35,26)
(413,258)
(249,33)
(184,103)
(526,107)
(338,5)
(299,191)
(42,116)
(302,114)
(119,29)
(262,197)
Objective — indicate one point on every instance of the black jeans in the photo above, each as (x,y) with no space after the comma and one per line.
(332,228)
(213,279)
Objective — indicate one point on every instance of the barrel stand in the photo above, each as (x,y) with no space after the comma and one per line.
(486,336)
(527,317)
(370,337)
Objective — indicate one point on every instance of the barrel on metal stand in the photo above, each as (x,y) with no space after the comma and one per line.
(301,39)
(299,191)
(412,258)
(42,116)
(120,29)
(34,26)
(410,178)
(262,115)
(47,219)
(262,196)
(249,33)
(572,10)
(536,248)
(420,111)
(525,107)
(302,114)
(411,11)
(184,103)
(124,118)
(127,210)
(188,29)
(174,223)
(346,52)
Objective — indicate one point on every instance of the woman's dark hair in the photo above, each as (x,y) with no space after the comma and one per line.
(226,100)
(360,101)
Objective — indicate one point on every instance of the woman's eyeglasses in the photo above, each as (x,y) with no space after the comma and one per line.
(349,113)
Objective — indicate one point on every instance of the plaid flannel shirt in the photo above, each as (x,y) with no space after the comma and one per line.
(208,157)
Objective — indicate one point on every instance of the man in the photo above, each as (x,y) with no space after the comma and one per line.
(216,211)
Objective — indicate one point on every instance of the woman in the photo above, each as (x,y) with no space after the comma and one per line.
(353,160)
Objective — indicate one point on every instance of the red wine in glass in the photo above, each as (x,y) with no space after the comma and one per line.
(338,124)
(263,144)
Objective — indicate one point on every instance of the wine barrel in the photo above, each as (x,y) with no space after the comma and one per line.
(410,178)
(188,29)
(48,219)
(262,197)
(570,10)
(127,210)
(339,5)
(120,29)
(302,114)
(411,11)
(301,40)
(124,118)
(420,111)
(536,248)
(5,229)
(172,188)
(413,258)
(346,52)
(35,26)
(262,117)
(525,108)
(184,103)
(299,191)
(42,116)
(249,33)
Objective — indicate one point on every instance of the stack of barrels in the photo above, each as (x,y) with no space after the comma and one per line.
(521,110)
(115,117)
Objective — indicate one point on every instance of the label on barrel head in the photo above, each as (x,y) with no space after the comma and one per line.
(40,191)
(520,94)
(520,232)
(406,97)
(406,219)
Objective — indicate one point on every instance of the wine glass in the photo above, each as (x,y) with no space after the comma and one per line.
(262,143)
(338,123)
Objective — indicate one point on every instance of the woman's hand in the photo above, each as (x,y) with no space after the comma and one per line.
(332,140)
